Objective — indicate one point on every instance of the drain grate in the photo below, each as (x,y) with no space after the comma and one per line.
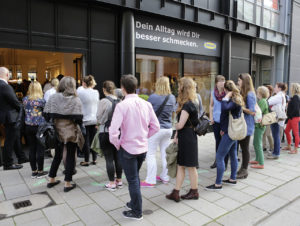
(22,204)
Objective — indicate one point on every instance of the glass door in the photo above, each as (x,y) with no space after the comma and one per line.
(149,68)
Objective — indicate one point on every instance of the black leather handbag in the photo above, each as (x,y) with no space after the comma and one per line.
(46,135)
(202,125)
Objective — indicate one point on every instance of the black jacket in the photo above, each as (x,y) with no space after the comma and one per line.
(294,107)
(9,104)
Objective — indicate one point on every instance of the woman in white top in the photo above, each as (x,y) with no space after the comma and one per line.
(89,98)
(52,90)
(277,99)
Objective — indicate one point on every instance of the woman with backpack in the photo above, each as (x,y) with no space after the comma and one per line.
(187,157)
(89,98)
(277,101)
(163,103)
(34,104)
(105,111)
(293,113)
(248,94)
(262,95)
(231,103)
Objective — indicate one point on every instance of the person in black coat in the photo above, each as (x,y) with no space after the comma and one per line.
(10,117)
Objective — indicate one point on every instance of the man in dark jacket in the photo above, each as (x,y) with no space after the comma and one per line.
(9,116)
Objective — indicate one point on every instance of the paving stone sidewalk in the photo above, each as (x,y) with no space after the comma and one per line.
(261,199)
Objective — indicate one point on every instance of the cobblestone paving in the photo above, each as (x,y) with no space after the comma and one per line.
(266,197)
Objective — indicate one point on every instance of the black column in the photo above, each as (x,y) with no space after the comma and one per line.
(128,44)
(226,55)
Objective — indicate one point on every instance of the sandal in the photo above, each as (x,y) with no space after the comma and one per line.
(84,164)
(287,148)
(293,152)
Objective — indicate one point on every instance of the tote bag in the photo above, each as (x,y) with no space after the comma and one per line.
(237,128)
(258,114)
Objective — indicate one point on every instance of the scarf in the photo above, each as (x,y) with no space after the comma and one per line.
(219,96)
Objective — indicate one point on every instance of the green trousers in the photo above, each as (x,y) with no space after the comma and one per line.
(258,146)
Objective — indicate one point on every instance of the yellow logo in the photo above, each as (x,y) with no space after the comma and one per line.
(210,45)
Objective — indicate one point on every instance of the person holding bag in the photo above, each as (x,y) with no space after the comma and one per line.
(248,94)
(163,103)
(106,107)
(34,104)
(277,103)
(187,157)
(232,105)
(293,113)
(262,95)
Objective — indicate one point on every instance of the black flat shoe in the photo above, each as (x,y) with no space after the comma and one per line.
(214,165)
(51,185)
(13,167)
(67,189)
(84,164)
(93,163)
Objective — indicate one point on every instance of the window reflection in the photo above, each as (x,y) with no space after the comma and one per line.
(203,73)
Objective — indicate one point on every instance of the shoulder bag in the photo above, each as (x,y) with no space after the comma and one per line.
(237,128)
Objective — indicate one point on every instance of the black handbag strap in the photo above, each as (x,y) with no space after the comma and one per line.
(159,110)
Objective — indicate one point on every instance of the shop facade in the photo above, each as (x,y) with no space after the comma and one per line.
(149,38)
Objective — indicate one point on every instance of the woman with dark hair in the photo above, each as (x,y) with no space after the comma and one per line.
(65,109)
(267,134)
(293,113)
(89,98)
(280,101)
(104,115)
(233,103)
(248,94)
(215,110)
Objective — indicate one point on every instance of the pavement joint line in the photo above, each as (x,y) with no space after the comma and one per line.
(249,202)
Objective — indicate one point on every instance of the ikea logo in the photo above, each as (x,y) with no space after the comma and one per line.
(210,45)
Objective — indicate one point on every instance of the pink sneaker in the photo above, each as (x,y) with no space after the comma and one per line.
(144,184)
(111,187)
(119,184)
(161,180)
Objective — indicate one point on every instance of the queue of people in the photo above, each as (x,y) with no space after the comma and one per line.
(131,130)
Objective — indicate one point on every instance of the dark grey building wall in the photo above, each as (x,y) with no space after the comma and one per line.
(295,44)
(240,56)
(65,26)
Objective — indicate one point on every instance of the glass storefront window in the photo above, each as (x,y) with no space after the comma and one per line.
(149,68)
(248,11)
(267,18)
(240,9)
(203,73)
(275,21)
(258,15)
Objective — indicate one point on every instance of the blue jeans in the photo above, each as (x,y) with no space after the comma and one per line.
(275,128)
(217,129)
(131,165)
(227,146)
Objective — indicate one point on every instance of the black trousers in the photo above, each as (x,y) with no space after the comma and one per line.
(70,160)
(89,136)
(20,154)
(113,165)
(36,151)
(245,152)
(10,138)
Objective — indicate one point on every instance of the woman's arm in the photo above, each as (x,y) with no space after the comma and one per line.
(211,109)
(273,100)
(183,118)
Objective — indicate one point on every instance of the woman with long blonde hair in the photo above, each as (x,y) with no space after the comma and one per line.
(34,104)
(163,103)
(232,102)
(293,113)
(248,94)
(187,114)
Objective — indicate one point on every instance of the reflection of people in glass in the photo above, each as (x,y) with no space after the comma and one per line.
(204,93)
(174,85)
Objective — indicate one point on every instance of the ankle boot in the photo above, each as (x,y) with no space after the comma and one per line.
(192,194)
(242,174)
(174,195)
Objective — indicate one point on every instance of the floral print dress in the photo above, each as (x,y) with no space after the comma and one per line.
(34,111)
